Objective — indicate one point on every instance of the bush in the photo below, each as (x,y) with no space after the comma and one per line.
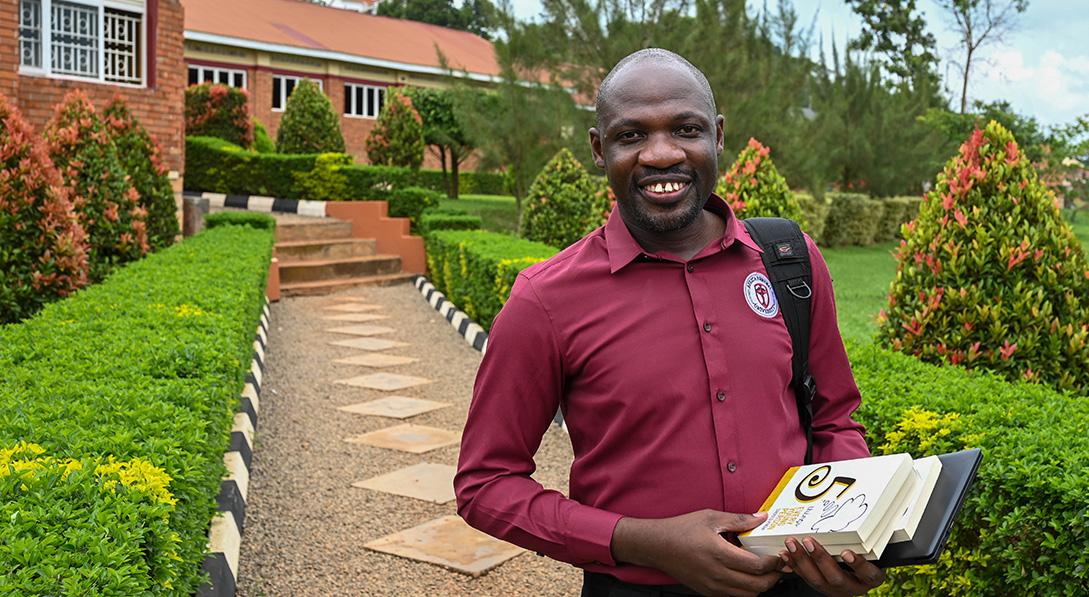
(217,110)
(438,218)
(326,182)
(815,213)
(105,201)
(397,137)
(309,124)
(476,269)
(410,202)
(145,367)
(564,203)
(253,219)
(1023,528)
(141,157)
(469,182)
(844,209)
(43,248)
(863,226)
(990,275)
(754,188)
(262,141)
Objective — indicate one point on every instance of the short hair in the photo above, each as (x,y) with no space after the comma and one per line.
(659,56)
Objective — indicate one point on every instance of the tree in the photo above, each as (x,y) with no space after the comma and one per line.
(442,131)
(310,124)
(895,29)
(473,16)
(980,23)
(218,110)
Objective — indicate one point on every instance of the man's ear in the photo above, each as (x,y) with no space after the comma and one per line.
(720,131)
(599,156)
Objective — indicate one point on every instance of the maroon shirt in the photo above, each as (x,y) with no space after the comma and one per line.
(674,380)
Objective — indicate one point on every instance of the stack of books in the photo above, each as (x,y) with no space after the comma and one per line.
(862,505)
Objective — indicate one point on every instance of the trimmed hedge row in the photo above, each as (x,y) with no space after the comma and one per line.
(843,219)
(1025,527)
(470,182)
(476,269)
(124,395)
(439,218)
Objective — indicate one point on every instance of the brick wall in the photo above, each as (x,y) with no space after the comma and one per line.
(160,107)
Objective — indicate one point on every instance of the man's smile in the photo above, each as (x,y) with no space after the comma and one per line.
(664,192)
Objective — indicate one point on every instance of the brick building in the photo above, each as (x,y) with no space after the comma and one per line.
(268,46)
(104,47)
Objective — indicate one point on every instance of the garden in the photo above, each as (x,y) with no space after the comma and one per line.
(965,311)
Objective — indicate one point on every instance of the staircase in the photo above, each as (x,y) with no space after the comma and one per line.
(319,255)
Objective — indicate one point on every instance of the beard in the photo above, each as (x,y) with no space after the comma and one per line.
(680,216)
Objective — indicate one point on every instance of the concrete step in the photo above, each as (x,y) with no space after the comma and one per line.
(330,286)
(318,250)
(319,229)
(332,269)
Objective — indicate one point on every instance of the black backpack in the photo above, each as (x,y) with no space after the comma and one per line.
(786,259)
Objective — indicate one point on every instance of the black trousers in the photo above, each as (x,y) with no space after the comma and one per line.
(595,584)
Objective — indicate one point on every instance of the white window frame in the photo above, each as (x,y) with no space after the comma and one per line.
(108,29)
(283,93)
(215,72)
(368,109)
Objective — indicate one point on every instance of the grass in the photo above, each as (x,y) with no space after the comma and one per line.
(861,278)
(498,212)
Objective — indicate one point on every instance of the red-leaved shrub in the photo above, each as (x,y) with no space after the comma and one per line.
(106,202)
(43,251)
(217,110)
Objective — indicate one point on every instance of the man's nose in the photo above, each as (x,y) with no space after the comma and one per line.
(661,151)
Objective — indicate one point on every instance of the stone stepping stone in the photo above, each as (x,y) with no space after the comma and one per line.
(356,317)
(416,439)
(396,407)
(376,359)
(424,481)
(352,307)
(450,543)
(384,381)
(369,343)
(361,330)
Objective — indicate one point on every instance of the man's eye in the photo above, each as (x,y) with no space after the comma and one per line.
(689,129)
(628,136)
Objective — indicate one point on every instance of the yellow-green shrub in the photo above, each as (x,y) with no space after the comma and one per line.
(564,203)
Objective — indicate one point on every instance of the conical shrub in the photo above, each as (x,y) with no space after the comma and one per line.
(397,138)
(989,275)
(141,157)
(564,203)
(310,124)
(218,110)
(107,204)
(43,251)
(754,188)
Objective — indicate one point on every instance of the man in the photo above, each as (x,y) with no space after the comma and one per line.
(675,387)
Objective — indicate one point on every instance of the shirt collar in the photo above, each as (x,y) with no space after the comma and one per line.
(623,248)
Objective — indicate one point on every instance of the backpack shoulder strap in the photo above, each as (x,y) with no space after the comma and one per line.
(786,259)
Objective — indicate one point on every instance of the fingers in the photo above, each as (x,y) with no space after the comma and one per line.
(866,572)
(736,523)
(817,567)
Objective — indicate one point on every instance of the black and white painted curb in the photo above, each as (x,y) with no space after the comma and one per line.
(263,204)
(467,328)
(225,536)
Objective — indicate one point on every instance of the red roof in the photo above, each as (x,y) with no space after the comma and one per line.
(314,27)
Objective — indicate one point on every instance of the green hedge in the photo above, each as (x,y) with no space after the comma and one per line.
(476,269)
(842,219)
(124,395)
(438,218)
(469,182)
(252,219)
(1025,527)
(815,213)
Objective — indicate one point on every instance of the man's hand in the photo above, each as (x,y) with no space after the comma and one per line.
(690,549)
(809,560)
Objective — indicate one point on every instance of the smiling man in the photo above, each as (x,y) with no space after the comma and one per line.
(675,385)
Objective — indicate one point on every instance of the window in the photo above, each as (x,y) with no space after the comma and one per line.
(227,76)
(363,100)
(282,86)
(83,39)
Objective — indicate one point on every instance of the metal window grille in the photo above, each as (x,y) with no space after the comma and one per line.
(74,36)
(122,41)
(30,33)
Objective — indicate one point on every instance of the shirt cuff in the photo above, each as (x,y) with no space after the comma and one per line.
(593,534)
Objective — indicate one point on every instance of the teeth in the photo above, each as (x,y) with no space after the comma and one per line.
(668,187)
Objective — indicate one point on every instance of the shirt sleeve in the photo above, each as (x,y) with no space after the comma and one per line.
(515,397)
(835,435)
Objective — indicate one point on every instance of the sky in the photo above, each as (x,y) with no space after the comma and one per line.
(1041,68)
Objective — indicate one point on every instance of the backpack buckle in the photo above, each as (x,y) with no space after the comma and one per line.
(798,285)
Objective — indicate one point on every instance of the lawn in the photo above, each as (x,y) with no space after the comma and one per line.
(498,212)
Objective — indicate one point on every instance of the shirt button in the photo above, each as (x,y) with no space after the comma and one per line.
(707,327)
(731,467)
(721,396)
(691,267)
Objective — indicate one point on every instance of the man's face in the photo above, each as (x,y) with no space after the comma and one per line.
(659,142)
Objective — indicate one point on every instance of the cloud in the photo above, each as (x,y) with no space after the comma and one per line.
(1054,89)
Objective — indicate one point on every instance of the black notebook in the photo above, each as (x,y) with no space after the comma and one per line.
(958,472)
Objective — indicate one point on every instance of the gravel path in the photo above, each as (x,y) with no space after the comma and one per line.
(305,524)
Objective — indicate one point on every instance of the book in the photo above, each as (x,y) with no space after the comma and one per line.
(850,504)
(927,470)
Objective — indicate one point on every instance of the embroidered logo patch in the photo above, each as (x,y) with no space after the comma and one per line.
(760,296)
